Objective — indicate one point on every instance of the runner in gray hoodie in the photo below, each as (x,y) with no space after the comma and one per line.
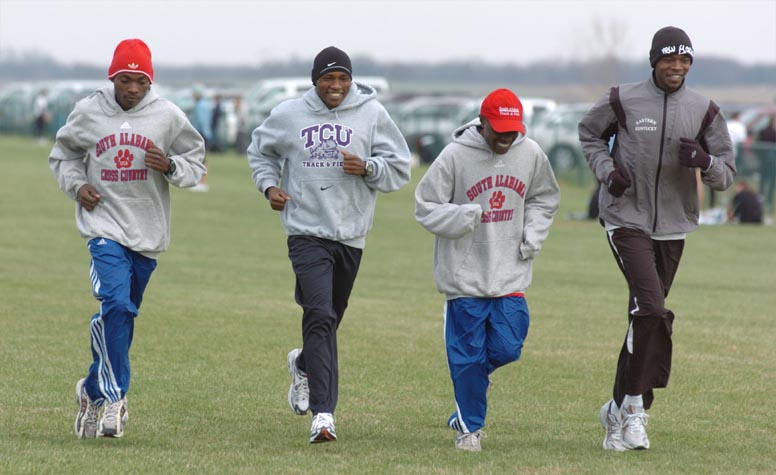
(320,160)
(489,198)
(116,156)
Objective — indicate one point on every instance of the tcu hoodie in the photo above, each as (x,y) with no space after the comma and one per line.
(103,145)
(490,214)
(297,148)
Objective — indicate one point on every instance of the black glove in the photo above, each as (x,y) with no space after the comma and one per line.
(618,181)
(691,154)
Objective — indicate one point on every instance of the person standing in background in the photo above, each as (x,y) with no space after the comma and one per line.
(42,114)
(765,145)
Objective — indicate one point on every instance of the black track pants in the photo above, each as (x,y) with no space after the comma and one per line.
(325,272)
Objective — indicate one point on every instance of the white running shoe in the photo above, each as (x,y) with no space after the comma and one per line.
(88,413)
(634,421)
(114,418)
(612,424)
(299,392)
(469,441)
(322,429)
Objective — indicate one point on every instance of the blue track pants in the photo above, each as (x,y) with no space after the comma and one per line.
(119,278)
(481,334)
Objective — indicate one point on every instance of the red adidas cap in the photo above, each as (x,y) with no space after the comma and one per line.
(504,111)
(131,56)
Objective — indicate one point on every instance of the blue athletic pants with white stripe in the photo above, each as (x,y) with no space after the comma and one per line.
(119,278)
(481,334)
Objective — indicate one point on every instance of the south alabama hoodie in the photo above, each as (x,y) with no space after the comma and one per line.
(490,214)
(297,148)
(104,145)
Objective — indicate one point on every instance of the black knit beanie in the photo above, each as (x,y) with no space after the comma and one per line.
(668,41)
(331,59)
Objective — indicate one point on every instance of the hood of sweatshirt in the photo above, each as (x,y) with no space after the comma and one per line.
(357,95)
(469,136)
(106,97)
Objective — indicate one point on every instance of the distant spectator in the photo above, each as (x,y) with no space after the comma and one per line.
(215,121)
(737,131)
(241,142)
(42,114)
(202,120)
(766,151)
(746,206)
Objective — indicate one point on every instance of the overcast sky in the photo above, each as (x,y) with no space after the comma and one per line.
(250,32)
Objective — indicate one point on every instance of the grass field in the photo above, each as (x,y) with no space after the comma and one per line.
(209,380)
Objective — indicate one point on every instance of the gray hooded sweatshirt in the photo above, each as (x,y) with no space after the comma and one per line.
(490,214)
(103,145)
(297,148)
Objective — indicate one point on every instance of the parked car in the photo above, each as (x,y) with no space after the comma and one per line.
(557,134)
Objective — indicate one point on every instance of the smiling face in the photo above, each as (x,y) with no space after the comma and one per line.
(499,142)
(671,70)
(130,89)
(333,87)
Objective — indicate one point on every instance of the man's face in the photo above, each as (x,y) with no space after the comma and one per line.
(333,87)
(130,89)
(499,142)
(671,70)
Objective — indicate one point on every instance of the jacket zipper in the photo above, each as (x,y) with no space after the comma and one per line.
(660,160)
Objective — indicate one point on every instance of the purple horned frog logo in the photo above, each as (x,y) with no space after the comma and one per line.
(324,141)
(326,150)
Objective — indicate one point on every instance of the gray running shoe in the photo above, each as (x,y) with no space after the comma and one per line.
(322,429)
(299,392)
(88,413)
(469,441)
(634,434)
(612,424)
(114,418)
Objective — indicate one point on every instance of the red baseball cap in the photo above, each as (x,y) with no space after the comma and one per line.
(131,56)
(504,111)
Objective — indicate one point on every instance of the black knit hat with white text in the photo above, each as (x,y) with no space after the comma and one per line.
(668,41)
(331,59)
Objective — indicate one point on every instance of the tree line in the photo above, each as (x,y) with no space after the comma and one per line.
(709,71)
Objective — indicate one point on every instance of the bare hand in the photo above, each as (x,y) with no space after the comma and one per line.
(353,165)
(156,159)
(88,197)
(277,198)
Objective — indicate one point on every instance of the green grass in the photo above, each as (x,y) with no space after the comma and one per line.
(209,379)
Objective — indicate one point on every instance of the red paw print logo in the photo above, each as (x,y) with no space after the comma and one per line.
(497,200)
(123,159)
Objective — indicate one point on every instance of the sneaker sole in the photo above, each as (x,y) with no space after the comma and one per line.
(323,436)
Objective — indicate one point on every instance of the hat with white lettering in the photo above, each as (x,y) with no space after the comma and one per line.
(331,59)
(668,41)
(131,56)
(504,111)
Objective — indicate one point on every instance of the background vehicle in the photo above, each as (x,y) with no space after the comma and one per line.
(557,133)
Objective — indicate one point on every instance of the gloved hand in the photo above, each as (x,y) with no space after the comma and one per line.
(691,154)
(618,181)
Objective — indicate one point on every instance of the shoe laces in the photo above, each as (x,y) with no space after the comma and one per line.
(113,410)
(323,419)
(92,414)
(636,421)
